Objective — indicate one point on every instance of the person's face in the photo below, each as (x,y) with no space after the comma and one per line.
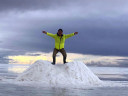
(60,32)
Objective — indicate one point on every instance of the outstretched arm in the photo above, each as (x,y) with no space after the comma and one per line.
(70,35)
(49,34)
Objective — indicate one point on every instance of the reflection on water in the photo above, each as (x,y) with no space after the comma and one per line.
(11,71)
(109,70)
(111,73)
(15,90)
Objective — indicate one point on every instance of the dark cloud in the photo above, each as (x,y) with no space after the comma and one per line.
(4,61)
(8,52)
(92,39)
(123,59)
(98,6)
(122,63)
(4,53)
(102,25)
(30,54)
(99,40)
(26,5)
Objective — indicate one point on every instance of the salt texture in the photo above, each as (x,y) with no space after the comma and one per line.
(74,73)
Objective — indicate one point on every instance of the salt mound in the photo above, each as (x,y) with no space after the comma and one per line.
(74,73)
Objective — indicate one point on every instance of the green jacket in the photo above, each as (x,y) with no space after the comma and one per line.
(60,41)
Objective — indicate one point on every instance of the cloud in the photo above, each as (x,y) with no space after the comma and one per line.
(96,37)
(90,60)
(4,53)
(93,8)
(26,5)
(105,61)
(102,25)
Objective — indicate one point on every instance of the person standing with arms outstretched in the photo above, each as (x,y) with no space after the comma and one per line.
(59,43)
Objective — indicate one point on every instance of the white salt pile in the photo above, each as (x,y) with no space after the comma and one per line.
(74,73)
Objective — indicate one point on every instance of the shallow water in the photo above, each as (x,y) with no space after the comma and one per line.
(15,90)
(104,73)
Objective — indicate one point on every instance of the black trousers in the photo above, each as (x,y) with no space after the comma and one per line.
(63,52)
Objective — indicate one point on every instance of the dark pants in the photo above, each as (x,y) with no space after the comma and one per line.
(63,52)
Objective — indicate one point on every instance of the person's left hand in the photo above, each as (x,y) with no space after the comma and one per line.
(75,33)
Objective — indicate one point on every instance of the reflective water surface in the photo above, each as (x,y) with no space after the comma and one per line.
(14,90)
(104,73)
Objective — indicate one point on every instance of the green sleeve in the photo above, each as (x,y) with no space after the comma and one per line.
(69,35)
(51,35)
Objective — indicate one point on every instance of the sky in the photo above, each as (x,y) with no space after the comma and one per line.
(102,26)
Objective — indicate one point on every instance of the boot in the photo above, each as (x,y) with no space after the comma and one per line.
(54,60)
(64,60)
(53,63)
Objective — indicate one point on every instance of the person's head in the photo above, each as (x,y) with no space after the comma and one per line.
(60,32)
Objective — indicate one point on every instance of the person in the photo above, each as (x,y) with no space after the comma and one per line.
(59,43)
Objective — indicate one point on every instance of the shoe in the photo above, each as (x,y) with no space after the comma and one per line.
(65,62)
(53,63)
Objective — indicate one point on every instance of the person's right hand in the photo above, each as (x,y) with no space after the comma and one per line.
(44,32)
